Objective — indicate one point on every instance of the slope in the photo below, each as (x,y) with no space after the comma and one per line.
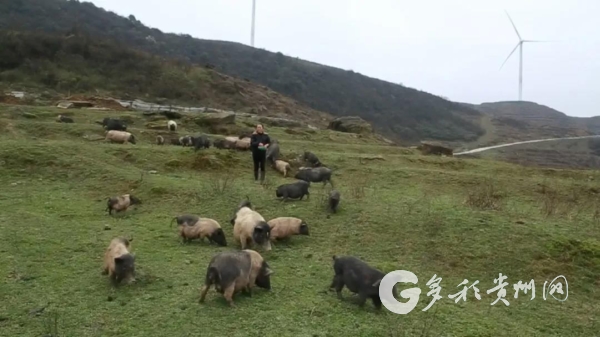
(518,121)
(79,64)
(454,218)
(396,111)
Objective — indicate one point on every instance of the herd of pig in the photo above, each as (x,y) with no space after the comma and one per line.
(241,270)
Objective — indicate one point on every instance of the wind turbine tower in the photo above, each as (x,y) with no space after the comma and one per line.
(520,46)
(253,21)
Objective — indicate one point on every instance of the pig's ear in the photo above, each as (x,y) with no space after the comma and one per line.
(118,260)
(376,284)
(268,271)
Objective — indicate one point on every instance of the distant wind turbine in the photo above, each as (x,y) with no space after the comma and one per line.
(253,21)
(520,46)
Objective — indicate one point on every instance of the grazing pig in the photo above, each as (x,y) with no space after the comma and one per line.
(121,203)
(64,119)
(282,166)
(119,263)
(359,278)
(172,126)
(235,271)
(285,227)
(220,144)
(312,159)
(295,190)
(243,144)
(200,142)
(245,203)
(185,219)
(185,140)
(334,200)
(200,229)
(160,140)
(250,226)
(121,137)
(273,152)
(315,175)
(114,124)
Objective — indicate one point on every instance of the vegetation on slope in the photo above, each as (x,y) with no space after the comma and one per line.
(458,219)
(517,121)
(80,64)
(396,111)
(568,153)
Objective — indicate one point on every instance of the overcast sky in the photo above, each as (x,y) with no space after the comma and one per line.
(451,48)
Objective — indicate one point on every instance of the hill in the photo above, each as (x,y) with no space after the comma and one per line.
(454,218)
(79,64)
(561,154)
(507,122)
(396,111)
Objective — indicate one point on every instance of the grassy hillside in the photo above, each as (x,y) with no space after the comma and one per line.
(79,64)
(396,111)
(568,153)
(516,121)
(455,218)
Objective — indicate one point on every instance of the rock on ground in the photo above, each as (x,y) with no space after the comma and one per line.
(351,124)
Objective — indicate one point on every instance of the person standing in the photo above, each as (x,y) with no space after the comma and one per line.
(259,142)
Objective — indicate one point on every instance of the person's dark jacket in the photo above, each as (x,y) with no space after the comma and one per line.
(257,139)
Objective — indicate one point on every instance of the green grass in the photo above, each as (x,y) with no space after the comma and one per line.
(428,215)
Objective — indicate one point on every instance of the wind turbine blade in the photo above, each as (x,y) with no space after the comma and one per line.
(509,55)
(536,41)
(513,24)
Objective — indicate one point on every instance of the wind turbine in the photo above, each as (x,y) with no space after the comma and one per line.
(253,20)
(520,46)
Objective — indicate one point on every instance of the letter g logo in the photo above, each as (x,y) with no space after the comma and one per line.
(387,297)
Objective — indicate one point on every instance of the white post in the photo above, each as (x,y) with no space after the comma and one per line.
(521,72)
(253,20)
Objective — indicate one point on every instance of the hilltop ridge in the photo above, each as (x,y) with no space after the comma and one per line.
(398,112)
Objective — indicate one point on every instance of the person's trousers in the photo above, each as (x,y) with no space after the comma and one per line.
(259,158)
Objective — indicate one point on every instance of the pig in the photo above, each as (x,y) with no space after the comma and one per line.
(172,126)
(220,144)
(114,124)
(285,227)
(64,119)
(119,263)
(200,142)
(250,226)
(120,137)
(121,203)
(315,175)
(273,152)
(293,191)
(312,159)
(334,200)
(243,144)
(200,229)
(359,278)
(185,140)
(244,203)
(160,140)
(235,271)
(282,166)
(186,219)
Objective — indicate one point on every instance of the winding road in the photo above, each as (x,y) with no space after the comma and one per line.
(481,149)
